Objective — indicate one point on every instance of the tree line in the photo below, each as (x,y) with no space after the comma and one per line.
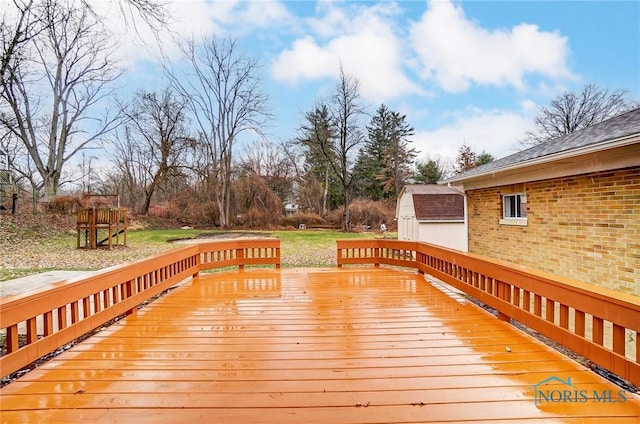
(188,145)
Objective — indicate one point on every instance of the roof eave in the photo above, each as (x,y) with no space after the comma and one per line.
(440,221)
(593,148)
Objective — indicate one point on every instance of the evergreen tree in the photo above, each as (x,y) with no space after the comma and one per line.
(384,164)
(484,158)
(428,171)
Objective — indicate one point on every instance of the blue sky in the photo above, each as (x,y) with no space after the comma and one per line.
(471,72)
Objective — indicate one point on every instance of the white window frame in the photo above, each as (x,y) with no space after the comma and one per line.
(517,217)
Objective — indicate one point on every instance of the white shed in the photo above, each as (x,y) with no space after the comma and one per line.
(433,214)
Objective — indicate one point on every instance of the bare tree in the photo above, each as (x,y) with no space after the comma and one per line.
(308,189)
(16,33)
(571,112)
(334,134)
(153,13)
(155,144)
(317,141)
(50,90)
(126,176)
(28,22)
(347,110)
(224,94)
(270,162)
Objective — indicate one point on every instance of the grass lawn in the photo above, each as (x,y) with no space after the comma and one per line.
(299,248)
(25,256)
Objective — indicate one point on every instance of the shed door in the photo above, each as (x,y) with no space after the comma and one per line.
(407,228)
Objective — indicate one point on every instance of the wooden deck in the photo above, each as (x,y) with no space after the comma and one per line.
(313,345)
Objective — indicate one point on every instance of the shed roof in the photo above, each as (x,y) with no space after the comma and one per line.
(439,207)
(433,202)
(430,189)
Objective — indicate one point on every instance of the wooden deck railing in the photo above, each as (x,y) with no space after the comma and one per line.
(240,253)
(561,309)
(37,324)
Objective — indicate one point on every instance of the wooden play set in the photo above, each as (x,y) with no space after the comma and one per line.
(101,226)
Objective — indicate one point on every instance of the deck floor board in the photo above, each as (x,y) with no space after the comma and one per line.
(326,346)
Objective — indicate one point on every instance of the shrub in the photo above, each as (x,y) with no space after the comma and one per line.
(63,205)
(303,218)
(366,214)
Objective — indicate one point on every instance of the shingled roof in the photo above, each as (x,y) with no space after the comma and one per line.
(603,133)
(436,203)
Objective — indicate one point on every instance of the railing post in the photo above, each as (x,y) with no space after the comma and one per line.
(504,293)
(197,264)
(129,291)
(240,258)
(91,223)
(376,255)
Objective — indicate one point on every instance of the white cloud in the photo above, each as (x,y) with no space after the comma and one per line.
(457,52)
(362,39)
(264,14)
(188,18)
(494,131)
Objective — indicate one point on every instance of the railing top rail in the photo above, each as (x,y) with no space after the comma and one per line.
(497,268)
(128,270)
(58,293)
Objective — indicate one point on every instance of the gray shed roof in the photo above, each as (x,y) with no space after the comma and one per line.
(620,126)
(431,189)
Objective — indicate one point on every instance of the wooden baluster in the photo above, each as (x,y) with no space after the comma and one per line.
(526,300)
(32,330)
(75,313)
(105,298)
(551,310)
(597,331)
(579,323)
(48,323)
(619,339)
(86,307)
(564,316)
(537,305)
(12,338)
(96,302)
(62,317)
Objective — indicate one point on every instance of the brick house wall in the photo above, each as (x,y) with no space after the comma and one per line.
(586,227)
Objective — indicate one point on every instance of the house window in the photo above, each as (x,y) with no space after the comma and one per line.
(514,209)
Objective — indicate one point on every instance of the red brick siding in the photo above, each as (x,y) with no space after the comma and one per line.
(586,227)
